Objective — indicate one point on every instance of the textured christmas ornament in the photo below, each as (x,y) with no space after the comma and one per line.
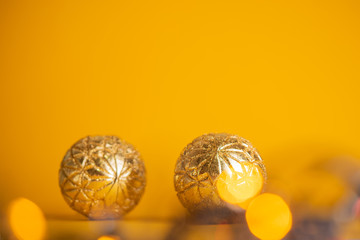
(102,177)
(199,179)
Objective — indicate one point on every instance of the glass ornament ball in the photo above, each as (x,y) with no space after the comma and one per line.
(216,170)
(102,177)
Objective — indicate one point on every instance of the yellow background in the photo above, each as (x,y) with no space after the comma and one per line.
(283,74)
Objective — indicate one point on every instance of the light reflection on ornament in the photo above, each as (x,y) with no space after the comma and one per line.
(238,186)
(200,185)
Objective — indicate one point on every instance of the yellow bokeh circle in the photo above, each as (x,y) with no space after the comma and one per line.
(26,220)
(269,217)
(238,186)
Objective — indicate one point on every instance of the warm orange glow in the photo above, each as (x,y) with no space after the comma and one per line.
(238,186)
(109,238)
(269,217)
(26,220)
(283,74)
(320,189)
(223,232)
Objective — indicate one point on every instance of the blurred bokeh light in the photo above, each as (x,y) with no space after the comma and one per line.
(26,220)
(283,74)
(269,217)
(109,237)
(237,186)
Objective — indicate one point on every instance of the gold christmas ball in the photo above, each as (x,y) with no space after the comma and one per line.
(216,170)
(102,177)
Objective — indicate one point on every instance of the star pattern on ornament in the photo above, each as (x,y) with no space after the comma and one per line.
(240,152)
(95,167)
(206,157)
(197,179)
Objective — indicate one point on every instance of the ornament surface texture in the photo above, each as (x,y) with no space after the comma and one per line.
(102,177)
(201,163)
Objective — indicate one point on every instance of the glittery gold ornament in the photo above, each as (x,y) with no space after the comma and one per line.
(200,169)
(102,177)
